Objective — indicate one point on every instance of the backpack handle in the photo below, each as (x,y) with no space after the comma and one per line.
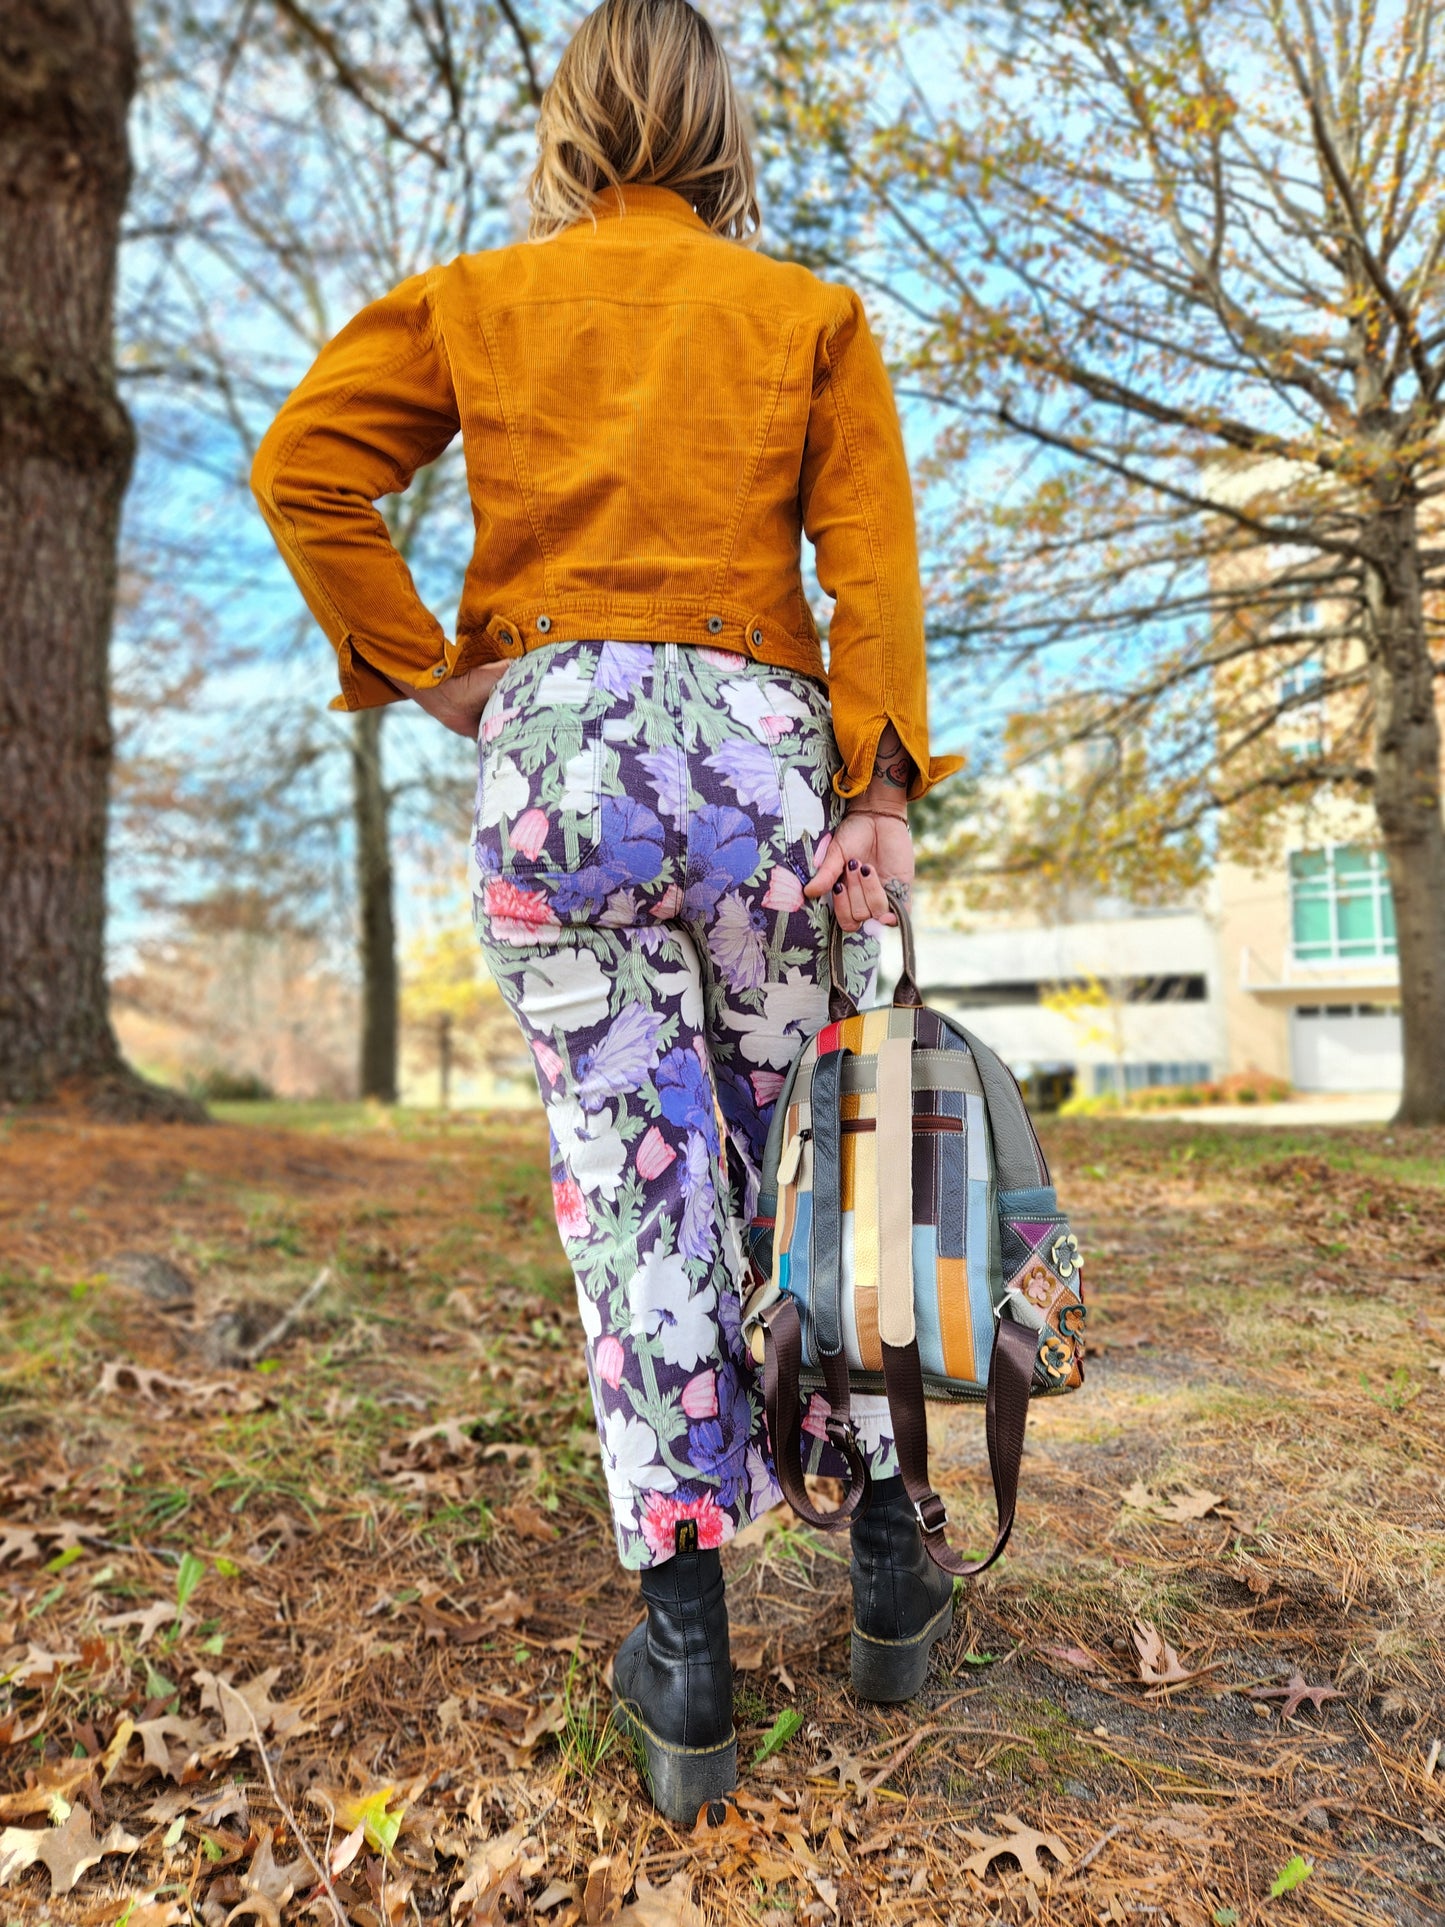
(906,994)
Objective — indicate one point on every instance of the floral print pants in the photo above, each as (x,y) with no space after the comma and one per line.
(647,815)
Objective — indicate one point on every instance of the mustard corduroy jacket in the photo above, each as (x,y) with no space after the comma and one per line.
(651,416)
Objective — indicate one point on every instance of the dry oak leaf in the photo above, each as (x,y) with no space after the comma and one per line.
(154,1736)
(1159,1664)
(150,1619)
(1294,1694)
(1194,1502)
(65,1851)
(669,1906)
(1083,1657)
(20,1545)
(1023,1842)
(510,1610)
(34,1665)
(51,1792)
(497,1866)
(249,1708)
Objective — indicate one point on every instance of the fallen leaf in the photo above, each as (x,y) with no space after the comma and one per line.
(669,1906)
(1294,1873)
(51,1793)
(1080,1656)
(528,1520)
(249,1708)
(348,1849)
(1023,1843)
(149,1620)
(64,1851)
(1294,1694)
(497,1866)
(1159,1664)
(510,1610)
(1193,1502)
(23,1545)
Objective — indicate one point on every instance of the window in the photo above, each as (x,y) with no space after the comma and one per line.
(1146,1077)
(1302,707)
(1341,910)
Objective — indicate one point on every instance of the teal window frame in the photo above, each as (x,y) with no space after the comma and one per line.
(1341,908)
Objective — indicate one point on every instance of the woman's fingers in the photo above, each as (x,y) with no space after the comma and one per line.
(828,871)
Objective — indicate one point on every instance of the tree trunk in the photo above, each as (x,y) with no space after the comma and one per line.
(1407,803)
(67,72)
(374,900)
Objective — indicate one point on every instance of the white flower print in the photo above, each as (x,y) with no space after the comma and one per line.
(564,684)
(504,792)
(749,702)
(802,805)
(792,1011)
(579,783)
(683,1324)
(570,989)
(588,1145)
(629,1456)
(684,984)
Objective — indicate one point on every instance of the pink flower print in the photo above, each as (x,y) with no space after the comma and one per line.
(547,1058)
(516,916)
(699,1396)
(775,726)
(766,1085)
(610,1361)
(815,1419)
(720,659)
(494,725)
(820,848)
(529,833)
(661,1514)
(654,1154)
(784,891)
(669,903)
(571,1210)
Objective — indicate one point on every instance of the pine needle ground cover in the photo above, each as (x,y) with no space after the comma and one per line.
(307,1587)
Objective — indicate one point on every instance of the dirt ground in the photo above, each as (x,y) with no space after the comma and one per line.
(310,1618)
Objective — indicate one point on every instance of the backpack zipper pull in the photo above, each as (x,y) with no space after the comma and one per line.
(792,1157)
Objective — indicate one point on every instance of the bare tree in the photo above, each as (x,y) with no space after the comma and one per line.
(1174,280)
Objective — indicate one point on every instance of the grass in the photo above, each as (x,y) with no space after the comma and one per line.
(404,1526)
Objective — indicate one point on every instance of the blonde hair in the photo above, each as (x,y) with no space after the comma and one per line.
(643,93)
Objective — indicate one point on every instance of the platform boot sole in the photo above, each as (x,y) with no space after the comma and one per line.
(889,1670)
(681,1779)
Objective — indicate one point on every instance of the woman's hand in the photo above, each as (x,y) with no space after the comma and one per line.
(866,851)
(457,703)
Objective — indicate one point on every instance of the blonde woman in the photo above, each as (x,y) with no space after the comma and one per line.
(674,795)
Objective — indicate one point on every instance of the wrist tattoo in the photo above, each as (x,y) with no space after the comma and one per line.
(892,764)
(900,888)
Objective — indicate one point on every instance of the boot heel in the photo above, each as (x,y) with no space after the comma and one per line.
(681,1779)
(889,1670)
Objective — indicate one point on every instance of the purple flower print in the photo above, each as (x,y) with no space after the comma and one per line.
(717,1448)
(751,770)
(722,852)
(630,852)
(622,669)
(686,1094)
(668,778)
(740,943)
(621,1059)
(695,1231)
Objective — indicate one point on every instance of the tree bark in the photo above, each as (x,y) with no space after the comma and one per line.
(374,891)
(1407,800)
(67,73)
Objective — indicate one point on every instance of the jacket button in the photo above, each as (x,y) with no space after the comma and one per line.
(505,638)
(439,671)
(757,638)
(544,623)
(714,623)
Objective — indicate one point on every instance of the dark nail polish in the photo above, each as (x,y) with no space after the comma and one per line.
(838,887)
(852,863)
(865,871)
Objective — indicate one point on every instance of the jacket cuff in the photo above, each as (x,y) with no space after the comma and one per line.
(859,759)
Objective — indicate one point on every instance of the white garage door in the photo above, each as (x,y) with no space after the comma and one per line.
(1346,1047)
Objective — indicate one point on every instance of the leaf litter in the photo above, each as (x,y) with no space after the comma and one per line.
(269,1652)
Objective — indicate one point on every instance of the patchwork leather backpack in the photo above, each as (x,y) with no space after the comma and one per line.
(908,1240)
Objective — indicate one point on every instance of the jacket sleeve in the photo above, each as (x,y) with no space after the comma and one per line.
(376,405)
(857,506)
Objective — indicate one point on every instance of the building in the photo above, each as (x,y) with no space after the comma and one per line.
(1117,997)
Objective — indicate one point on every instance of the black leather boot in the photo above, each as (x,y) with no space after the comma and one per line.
(673,1683)
(902,1602)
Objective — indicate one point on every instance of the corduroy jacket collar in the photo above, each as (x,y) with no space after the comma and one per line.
(645,197)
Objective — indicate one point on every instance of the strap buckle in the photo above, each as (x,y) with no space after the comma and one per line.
(842,1433)
(930,1514)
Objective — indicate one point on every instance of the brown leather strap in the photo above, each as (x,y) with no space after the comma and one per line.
(1010,1380)
(782,1368)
